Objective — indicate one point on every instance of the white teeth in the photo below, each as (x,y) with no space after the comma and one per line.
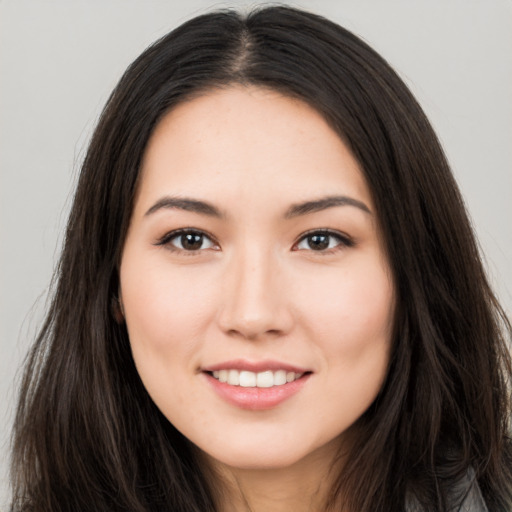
(280,378)
(233,377)
(246,379)
(265,379)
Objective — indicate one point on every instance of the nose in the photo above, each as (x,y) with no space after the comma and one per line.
(255,303)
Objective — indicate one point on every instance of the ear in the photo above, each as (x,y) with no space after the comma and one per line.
(117,309)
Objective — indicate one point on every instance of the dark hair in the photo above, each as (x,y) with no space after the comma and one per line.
(87,434)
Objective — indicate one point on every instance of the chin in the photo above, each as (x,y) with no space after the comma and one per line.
(265,456)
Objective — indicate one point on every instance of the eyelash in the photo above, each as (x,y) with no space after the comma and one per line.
(168,237)
(343,240)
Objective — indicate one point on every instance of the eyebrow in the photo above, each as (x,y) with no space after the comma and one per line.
(187,204)
(324,203)
(295,210)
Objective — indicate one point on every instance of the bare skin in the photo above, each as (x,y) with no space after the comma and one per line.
(302,487)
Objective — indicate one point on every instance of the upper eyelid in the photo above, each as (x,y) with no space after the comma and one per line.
(176,232)
(326,231)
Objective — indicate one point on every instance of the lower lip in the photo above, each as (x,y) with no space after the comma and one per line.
(256,399)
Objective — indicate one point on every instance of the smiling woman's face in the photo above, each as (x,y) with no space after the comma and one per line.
(254,255)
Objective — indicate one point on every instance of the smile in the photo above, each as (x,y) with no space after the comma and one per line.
(248,379)
(256,386)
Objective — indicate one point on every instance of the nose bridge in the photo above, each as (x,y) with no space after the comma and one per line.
(254,299)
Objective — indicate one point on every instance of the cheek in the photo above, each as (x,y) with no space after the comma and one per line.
(352,330)
(351,317)
(360,298)
(165,312)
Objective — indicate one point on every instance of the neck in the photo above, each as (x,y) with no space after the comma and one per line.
(302,487)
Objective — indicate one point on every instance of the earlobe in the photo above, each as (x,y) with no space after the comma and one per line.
(117,309)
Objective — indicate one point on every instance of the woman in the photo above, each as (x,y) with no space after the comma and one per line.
(269,298)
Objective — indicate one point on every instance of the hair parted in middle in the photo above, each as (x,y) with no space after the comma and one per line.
(87,431)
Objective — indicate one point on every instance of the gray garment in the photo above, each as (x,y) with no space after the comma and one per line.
(465,497)
(473,501)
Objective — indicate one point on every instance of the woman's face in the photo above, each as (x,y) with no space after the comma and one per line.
(254,255)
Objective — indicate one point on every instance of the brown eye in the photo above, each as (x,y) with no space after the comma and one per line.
(187,240)
(191,241)
(318,242)
(323,241)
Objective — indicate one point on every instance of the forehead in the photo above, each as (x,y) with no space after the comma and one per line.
(245,141)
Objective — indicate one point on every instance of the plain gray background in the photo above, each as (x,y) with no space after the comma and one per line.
(59,60)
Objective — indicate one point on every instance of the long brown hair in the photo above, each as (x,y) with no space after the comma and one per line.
(88,436)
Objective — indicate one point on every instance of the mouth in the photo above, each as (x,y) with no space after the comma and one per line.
(249,379)
(256,386)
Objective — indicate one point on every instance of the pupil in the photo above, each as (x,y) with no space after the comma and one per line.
(191,241)
(318,242)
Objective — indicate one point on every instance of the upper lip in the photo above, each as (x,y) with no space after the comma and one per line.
(254,366)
